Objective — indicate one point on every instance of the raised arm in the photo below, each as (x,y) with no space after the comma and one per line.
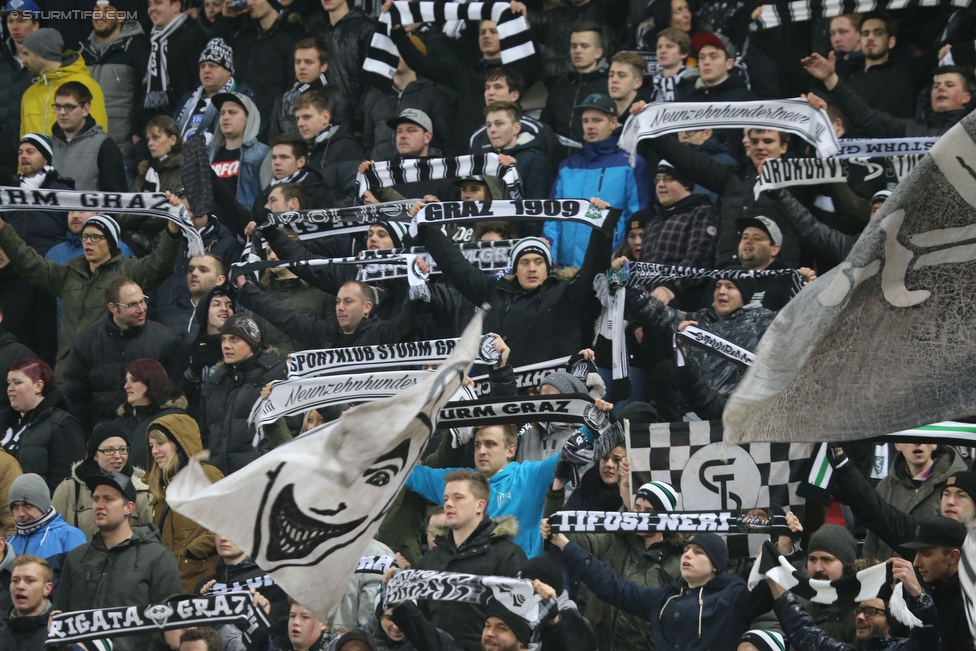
(300,326)
(704,171)
(30,264)
(822,239)
(473,284)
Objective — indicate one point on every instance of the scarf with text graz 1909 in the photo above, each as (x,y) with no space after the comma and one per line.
(235,608)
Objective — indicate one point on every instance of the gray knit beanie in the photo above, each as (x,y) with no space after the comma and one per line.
(45,43)
(30,489)
(563,382)
(836,541)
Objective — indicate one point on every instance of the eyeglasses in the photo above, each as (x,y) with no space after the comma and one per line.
(92,237)
(869,611)
(141,302)
(111,452)
(65,107)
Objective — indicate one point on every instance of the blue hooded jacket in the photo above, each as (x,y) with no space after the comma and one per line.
(601,170)
(52,542)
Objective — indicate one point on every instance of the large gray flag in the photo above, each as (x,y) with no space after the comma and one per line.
(885,341)
(306,510)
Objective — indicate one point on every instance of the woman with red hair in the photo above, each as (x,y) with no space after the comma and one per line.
(149,394)
(37,429)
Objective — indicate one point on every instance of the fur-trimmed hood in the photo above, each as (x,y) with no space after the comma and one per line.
(138,475)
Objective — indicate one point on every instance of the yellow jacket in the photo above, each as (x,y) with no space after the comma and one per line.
(36,114)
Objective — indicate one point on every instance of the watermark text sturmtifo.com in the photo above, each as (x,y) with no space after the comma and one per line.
(75,14)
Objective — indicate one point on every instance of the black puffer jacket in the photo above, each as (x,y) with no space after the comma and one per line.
(42,229)
(11,351)
(872,123)
(744,327)
(489,550)
(336,156)
(25,633)
(538,325)
(95,371)
(817,237)
(15,78)
(50,439)
(735,185)
(200,357)
(226,402)
(347,41)
(568,92)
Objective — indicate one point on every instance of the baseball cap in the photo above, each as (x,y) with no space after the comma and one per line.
(765,224)
(413,116)
(219,99)
(461,180)
(937,531)
(116,480)
(698,41)
(21,6)
(600,102)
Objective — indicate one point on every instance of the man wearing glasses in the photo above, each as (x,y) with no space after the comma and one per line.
(81,282)
(82,149)
(95,369)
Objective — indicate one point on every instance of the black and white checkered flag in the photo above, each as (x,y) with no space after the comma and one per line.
(711,476)
(382,55)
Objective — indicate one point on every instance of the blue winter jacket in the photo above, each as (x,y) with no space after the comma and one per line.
(601,170)
(712,617)
(518,489)
(51,542)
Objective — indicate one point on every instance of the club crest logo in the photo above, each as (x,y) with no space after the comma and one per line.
(158,613)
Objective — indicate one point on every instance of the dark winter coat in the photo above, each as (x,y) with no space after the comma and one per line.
(336,156)
(805,635)
(311,332)
(467,79)
(25,633)
(735,185)
(168,171)
(34,322)
(535,175)
(712,617)
(95,371)
(382,105)
(263,59)
(226,402)
(283,113)
(817,237)
(872,123)
(543,138)
(51,440)
(489,551)
(743,327)
(654,567)
(552,29)
(683,234)
(118,67)
(347,42)
(718,151)
(136,421)
(296,294)
(183,65)
(248,575)
(15,78)
(891,86)
(948,597)
(594,495)
(568,92)
(538,325)
(42,229)
(137,571)
(11,351)
(416,640)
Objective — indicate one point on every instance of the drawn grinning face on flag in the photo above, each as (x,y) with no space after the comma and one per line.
(293,528)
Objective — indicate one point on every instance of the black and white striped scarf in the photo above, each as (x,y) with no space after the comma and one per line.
(388,173)
(157,74)
(313,224)
(382,56)
(37,525)
(665,86)
(650,274)
(713,343)
(36,181)
(796,11)
(296,177)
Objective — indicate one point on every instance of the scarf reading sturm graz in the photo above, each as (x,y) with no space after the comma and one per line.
(236,608)
(566,408)
(527,376)
(140,203)
(330,361)
(517,595)
(313,224)
(751,521)
(387,173)
(382,56)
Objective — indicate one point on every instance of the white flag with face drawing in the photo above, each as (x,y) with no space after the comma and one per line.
(883,342)
(306,510)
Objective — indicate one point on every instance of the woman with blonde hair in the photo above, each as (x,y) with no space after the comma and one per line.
(171,441)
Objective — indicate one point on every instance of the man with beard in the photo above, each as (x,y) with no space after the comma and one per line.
(830,556)
(204,351)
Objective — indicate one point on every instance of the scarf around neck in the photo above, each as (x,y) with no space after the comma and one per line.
(297,177)
(157,75)
(35,182)
(37,525)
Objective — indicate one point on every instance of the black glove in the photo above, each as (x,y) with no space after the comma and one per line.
(564,470)
(837,459)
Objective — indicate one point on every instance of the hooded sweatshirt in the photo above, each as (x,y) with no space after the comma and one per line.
(251,152)
(192,545)
(116,66)
(36,114)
